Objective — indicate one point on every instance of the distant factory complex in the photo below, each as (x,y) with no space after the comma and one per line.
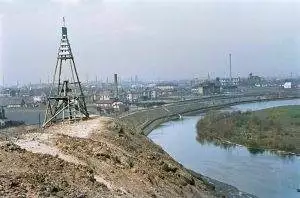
(70,98)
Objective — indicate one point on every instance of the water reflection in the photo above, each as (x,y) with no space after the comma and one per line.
(253,151)
(283,155)
(256,151)
(223,145)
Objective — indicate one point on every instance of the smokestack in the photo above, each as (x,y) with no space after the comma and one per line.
(230,67)
(116,84)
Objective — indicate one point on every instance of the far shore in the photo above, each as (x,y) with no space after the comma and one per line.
(274,129)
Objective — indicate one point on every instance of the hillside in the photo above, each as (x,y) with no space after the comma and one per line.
(95,158)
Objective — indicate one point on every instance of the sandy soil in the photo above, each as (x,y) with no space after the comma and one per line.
(95,158)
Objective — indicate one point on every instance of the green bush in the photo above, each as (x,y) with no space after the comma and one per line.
(262,129)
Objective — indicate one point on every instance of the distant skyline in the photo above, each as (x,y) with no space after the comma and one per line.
(157,39)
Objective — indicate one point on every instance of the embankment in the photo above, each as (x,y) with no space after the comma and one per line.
(146,120)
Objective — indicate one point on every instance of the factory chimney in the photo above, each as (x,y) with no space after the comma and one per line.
(116,85)
(230,75)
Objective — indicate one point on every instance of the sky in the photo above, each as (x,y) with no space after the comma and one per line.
(153,39)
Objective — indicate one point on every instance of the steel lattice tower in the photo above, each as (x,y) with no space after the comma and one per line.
(66,100)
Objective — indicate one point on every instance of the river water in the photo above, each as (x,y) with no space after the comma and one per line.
(263,174)
(29,116)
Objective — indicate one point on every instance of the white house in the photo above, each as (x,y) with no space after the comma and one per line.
(287,85)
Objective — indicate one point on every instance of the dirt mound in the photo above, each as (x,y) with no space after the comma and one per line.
(104,160)
(25,174)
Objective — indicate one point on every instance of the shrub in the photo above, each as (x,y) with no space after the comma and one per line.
(288,147)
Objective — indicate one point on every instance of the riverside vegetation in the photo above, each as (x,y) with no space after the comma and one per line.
(274,128)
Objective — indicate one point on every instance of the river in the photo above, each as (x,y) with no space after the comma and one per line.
(32,116)
(263,174)
(29,116)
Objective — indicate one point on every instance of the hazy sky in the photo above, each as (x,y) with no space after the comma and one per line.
(154,39)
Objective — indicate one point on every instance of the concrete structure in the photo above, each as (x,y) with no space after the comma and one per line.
(198,90)
(166,86)
(227,81)
(254,81)
(104,95)
(207,88)
(133,96)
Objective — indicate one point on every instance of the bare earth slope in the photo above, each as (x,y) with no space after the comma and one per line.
(94,158)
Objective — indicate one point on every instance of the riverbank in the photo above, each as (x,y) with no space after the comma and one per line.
(263,173)
(111,158)
(146,120)
(274,128)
